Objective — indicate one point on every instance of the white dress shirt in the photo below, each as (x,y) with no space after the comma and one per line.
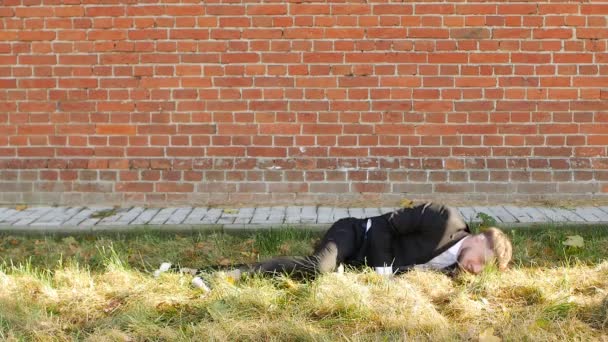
(445,259)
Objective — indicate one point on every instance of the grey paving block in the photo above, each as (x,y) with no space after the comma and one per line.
(339,213)
(602,215)
(196,215)
(244,215)
(590,214)
(122,217)
(369,212)
(79,217)
(356,212)
(57,216)
(131,215)
(145,216)
(502,214)
(604,208)
(536,215)
(309,215)
(179,215)
(162,216)
(527,214)
(212,216)
(30,215)
(91,221)
(260,215)
(568,215)
(552,214)
(519,213)
(277,215)
(487,211)
(111,220)
(293,215)
(325,214)
(385,210)
(469,214)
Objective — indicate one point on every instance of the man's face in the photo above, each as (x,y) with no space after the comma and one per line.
(475,254)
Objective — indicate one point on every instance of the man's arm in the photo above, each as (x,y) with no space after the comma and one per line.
(405,220)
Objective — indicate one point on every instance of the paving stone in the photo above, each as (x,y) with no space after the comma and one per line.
(244,216)
(145,216)
(527,214)
(369,212)
(162,216)
(502,214)
(486,211)
(277,215)
(604,209)
(212,216)
(91,221)
(339,213)
(309,215)
(122,217)
(260,215)
(386,210)
(30,215)
(568,214)
(469,214)
(226,219)
(325,214)
(131,215)
(356,212)
(196,215)
(57,216)
(590,214)
(293,215)
(552,214)
(179,215)
(111,220)
(520,214)
(79,217)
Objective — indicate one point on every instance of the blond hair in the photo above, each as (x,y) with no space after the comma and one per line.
(500,245)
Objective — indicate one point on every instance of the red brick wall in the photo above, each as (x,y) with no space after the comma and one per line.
(162,102)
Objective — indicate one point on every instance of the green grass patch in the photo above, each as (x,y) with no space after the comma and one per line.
(99,287)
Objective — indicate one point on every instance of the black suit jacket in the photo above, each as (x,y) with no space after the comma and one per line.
(411,236)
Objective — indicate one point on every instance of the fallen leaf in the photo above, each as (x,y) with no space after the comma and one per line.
(488,336)
(407,203)
(112,306)
(231,211)
(20,207)
(224,262)
(248,254)
(574,241)
(284,248)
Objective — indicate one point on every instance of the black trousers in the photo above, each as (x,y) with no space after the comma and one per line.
(342,243)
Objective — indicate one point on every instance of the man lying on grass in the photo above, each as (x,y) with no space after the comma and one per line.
(429,236)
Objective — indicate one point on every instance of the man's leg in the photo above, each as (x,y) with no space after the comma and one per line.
(338,244)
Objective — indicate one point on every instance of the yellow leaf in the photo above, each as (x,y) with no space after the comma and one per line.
(407,203)
(20,207)
(488,336)
(574,241)
(231,211)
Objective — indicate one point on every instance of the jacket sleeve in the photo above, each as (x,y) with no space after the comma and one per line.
(405,220)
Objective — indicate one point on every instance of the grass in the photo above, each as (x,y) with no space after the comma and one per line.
(99,288)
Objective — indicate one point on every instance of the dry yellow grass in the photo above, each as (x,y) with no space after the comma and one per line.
(544,297)
(562,303)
